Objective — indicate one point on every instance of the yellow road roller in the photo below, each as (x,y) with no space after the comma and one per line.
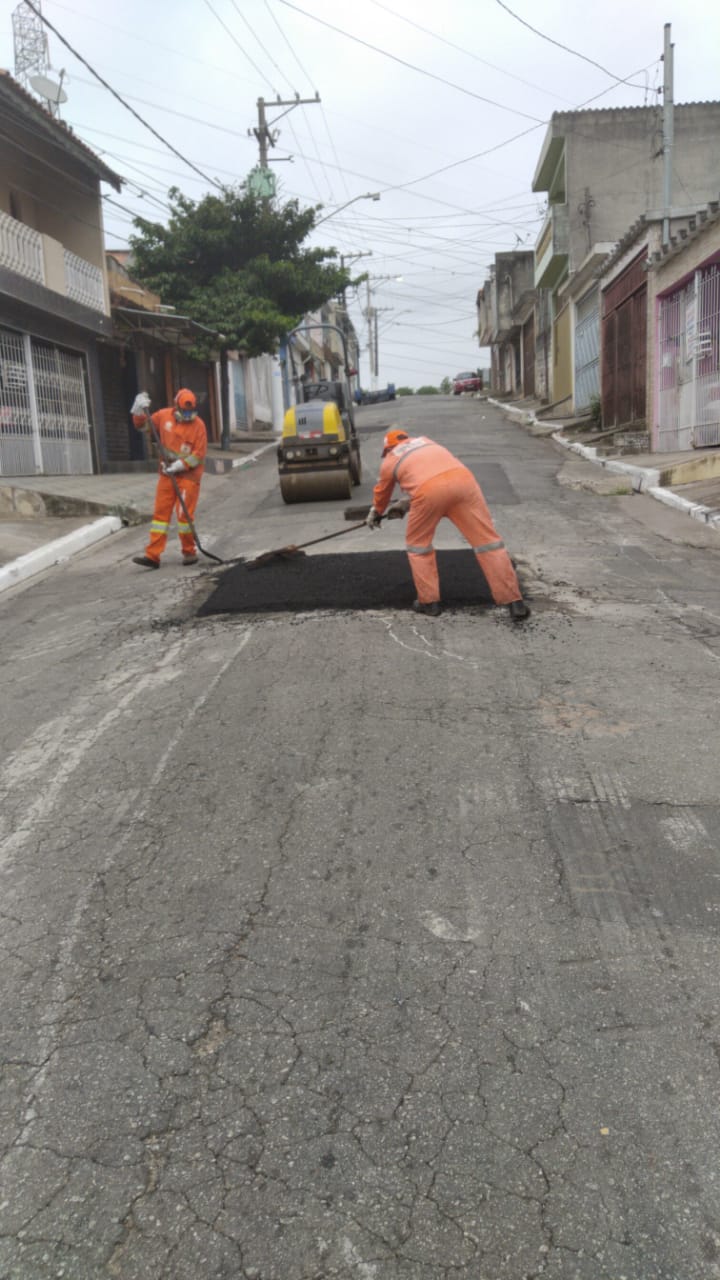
(319,454)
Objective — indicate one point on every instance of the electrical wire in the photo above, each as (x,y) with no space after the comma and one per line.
(459,48)
(46,22)
(262,46)
(309,80)
(403,63)
(241,47)
(142,39)
(559,45)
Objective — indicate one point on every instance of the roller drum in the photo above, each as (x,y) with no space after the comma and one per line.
(316,486)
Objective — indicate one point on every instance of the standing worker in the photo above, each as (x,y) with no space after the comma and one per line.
(182,445)
(437,484)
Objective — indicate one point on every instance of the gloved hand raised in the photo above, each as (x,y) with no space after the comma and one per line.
(140,404)
(373,520)
(398,510)
(173,468)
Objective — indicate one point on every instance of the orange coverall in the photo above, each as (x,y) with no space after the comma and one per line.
(186,440)
(438,485)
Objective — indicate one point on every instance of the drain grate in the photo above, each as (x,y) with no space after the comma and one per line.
(372,580)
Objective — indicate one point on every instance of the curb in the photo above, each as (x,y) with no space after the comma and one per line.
(56,551)
(644,479)
(63,548)
(253,457)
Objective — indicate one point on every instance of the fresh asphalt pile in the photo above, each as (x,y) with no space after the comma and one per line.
(372,580)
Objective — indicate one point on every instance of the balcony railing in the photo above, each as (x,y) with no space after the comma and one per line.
(84,282)
(40,258)
(21,249)
(552,247)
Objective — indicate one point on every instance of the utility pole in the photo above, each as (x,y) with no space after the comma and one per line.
(668,132)
(351,257)
(372,336)
(266,136)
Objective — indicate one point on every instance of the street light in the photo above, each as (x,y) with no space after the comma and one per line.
(369,195)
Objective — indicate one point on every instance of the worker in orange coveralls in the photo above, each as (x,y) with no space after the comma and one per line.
(437,484)
(183,446)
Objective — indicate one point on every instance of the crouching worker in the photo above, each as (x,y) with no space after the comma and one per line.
(437,484)
(182,446)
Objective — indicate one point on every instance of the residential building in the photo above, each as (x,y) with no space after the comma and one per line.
(627,320)
(684,335)
(506,322)
(54,299)
(151,349)
(601,170)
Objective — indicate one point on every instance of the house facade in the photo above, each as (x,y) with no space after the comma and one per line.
(54,297)
(506,323)
(601,170)
(684,335)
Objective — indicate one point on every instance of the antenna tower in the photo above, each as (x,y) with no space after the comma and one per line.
(30,42)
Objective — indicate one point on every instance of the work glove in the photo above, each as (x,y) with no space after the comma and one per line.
(174,468)
(373,519)
(140,404)
(398,510)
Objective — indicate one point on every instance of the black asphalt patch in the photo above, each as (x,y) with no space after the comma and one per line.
(376,580)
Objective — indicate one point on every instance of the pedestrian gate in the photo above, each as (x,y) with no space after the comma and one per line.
(689,363)
(44,421)
(587,350)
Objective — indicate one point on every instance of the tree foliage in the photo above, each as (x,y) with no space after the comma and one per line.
(427,391)
(404,391)
(235,263)
(446,386)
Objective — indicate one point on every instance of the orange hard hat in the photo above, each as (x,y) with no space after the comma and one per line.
(393,437)
(185,399)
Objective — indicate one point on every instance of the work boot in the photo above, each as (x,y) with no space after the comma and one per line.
(146,562)
(190,558)
(434,609)
(518,610)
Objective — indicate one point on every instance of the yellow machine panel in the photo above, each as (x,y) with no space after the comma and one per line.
(316,418)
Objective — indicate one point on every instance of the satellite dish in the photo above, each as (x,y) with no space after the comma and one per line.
(49,89)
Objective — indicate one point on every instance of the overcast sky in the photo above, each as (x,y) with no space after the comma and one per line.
(480,82)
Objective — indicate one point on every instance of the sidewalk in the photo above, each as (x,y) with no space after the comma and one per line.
(689,481)
(46,519)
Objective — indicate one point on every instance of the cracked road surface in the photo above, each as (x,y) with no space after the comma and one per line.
(361,946)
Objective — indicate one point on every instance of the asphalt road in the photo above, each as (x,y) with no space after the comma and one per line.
(360,945)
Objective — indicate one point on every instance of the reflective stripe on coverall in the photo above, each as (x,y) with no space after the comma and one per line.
(186,440)
(439,485)
(165,503)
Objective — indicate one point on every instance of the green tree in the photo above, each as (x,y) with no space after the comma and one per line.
(427,391)
(236,263)
(446,386)
(404,391)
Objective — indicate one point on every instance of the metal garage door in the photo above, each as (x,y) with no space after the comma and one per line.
(44,421)
(587,350)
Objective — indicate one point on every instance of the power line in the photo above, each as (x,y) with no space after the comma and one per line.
(241,47)
(262,46)
(403,63)
(451,45)
(309,80)
(142,39)
(506,142)
(558,44)
(116,95)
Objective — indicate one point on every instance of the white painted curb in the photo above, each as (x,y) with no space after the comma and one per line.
(57,551)
(253,457)
(644,479)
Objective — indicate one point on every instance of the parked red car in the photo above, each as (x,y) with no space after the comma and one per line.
(467,382)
